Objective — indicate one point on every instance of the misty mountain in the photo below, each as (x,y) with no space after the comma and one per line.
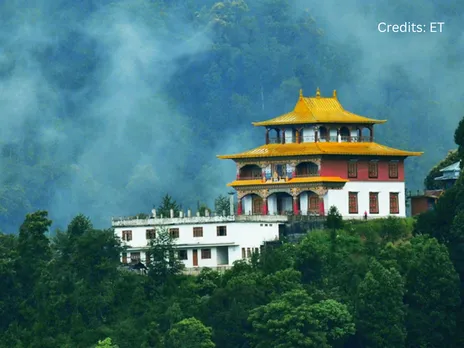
(108,105)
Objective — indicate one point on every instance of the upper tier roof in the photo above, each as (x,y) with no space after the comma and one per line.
(318,110)
(321,148)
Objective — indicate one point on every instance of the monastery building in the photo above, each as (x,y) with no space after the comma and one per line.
(317,156)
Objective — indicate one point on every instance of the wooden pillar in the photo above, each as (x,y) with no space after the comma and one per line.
(371,128)
(278,135)
(316,135)
(321,206)
(265,206)
(238,172)
(239,206)
(296,209)
(349,134)
(267,136)
(283,136)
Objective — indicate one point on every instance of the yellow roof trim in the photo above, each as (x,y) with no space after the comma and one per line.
(321,148)
(312,179)
(318,110)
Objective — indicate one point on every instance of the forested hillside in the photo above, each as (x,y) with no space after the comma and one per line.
(104,105)
(365,284)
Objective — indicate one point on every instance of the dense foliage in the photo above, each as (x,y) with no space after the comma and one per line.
(373,285)
(106,104)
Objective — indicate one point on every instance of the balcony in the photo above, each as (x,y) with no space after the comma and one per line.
(325,138)
(346,139)
(254,177)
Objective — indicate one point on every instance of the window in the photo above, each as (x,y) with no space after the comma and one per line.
(352,169)
(205,253)
(174,232)
(248,252)
(150,234)
(393,170)
(198,231)
(373,169)
(124,258)
(135,257)
(353,202)
(373,202)
(182,255)
(221,231)
(243,253)
(394,203)
(127,235)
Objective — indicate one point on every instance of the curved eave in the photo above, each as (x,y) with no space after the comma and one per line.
(261,152)
(271,123)
(327,179)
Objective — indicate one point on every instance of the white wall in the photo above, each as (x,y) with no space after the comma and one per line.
(247,205)
(308,135)
(272,204)
(239,235)
(288,135)
(339,198)
(304,203)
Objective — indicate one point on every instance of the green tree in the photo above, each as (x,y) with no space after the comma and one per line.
(334,219)
(167,204)
(294,320)
(9,290)
(459,140)
(164,262)
(222,204)
(106,343)
(380,310)
(432,295)
(189,333)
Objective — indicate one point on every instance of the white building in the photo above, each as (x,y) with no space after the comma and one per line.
(202,241)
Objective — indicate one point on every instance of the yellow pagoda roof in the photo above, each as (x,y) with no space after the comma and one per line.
(321,148)
(312,179)
(318,110)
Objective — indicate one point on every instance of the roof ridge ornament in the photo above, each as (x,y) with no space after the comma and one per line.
(301,93)
(335,94)
(318,92)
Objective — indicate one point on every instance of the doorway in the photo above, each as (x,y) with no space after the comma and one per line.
(257,205)
(195,257)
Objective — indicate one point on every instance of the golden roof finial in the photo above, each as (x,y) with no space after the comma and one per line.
(335,94)
(301,93)
(318,92)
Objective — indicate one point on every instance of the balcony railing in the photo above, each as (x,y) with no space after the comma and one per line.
(305,175)
(275,140)
(255,177)
(325,138)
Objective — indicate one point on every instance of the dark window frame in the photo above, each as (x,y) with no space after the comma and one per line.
(353,203)
(373,169)
(174,232)
(396,199)
(352,169)
(374,203)
(393,170)
(221,231)
(181,253)
(205,254)
(198,232)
